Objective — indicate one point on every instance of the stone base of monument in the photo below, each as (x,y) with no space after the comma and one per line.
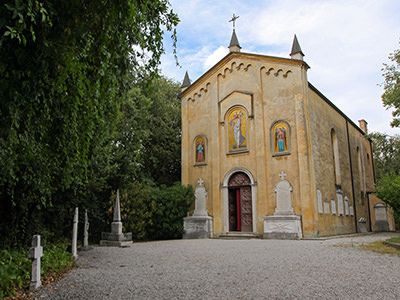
(362,225)
(198,227)
(381,226)
(282,227)
(116,239)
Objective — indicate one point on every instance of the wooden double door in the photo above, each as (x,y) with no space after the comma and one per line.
(240,203)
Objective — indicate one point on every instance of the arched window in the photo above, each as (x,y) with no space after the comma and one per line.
(335,158)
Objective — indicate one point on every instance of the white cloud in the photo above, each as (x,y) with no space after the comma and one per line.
(215,57)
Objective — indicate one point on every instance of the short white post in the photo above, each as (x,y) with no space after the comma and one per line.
(35,253)
(86,231)
(75,234)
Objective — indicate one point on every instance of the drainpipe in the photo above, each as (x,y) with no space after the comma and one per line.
(369,212)
(372,160)
(351,176)
(373,173)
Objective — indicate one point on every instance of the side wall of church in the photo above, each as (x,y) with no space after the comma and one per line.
(343,169)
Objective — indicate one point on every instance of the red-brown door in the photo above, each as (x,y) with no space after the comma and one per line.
(240,203)
(246,209)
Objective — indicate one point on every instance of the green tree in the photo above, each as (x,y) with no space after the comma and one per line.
(131,133)
(147,143)
(64,66)
(391,85)
(147,158)
(162,150)
(388,189)
(386,150)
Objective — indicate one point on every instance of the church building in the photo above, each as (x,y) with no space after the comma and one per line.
(269,155)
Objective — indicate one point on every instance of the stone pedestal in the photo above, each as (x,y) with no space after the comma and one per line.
(381,226)
(282,227)
(198,227)
(116,239)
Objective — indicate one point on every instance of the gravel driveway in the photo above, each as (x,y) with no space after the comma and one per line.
(233,269)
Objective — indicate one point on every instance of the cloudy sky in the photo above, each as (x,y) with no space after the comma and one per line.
(345,42)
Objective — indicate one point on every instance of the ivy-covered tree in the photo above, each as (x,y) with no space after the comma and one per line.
(391,85)
(64,66)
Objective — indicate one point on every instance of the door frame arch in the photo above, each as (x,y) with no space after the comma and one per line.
(225,196)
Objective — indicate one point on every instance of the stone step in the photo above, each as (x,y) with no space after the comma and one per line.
(238,235)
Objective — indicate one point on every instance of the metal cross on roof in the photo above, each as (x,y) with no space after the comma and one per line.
(234,18)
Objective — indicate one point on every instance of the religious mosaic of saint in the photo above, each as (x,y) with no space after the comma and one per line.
(237,130)
(280,133)
(200,147)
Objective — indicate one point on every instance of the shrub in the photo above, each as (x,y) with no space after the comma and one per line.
(14,271)
(15,267)
(56,260)
(155,213)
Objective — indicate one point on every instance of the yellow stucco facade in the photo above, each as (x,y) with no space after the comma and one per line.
(259,116)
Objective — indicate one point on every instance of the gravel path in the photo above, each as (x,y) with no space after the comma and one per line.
(233,269)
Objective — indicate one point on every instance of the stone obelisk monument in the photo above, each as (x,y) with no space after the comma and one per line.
(116,237)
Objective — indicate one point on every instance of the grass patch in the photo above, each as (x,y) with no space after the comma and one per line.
(15,269)
(379,247)
(395,240)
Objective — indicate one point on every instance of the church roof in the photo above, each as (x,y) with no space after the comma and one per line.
(296,47)
(234,40)
(186,81)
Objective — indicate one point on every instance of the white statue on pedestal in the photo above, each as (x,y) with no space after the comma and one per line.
(283,191)
(201,199)
(200,225)
(283,224)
